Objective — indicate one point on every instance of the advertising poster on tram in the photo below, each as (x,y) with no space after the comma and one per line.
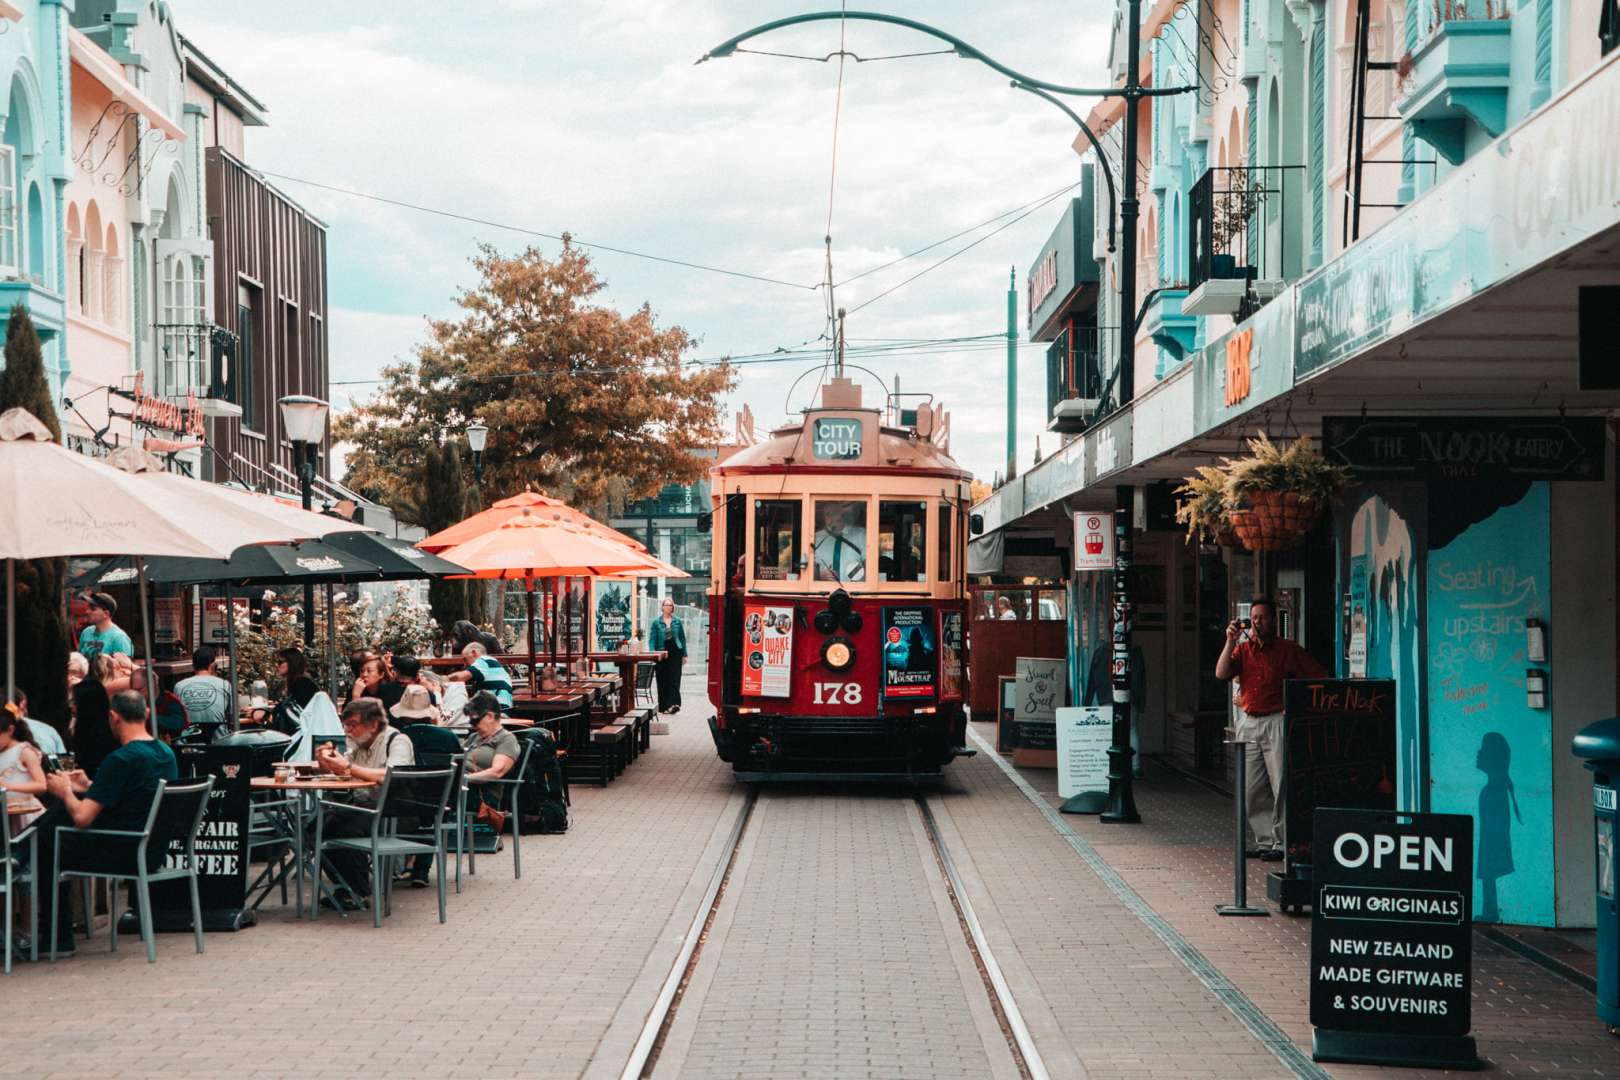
(767,651)
(910,655)
(950,655)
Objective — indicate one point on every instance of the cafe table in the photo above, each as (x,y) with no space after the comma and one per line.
(306,790)
(626,663)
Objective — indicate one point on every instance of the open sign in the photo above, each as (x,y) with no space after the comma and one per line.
(836,439)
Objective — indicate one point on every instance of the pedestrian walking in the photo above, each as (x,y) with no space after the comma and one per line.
(1261,661)
(668,636)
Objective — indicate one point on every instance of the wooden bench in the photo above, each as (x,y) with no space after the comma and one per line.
(602,757)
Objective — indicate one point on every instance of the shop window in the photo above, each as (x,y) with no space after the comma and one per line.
(840,543)
(947,532)
(776,539)
(902,541)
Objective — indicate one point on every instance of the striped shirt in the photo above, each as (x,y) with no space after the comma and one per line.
(488,674)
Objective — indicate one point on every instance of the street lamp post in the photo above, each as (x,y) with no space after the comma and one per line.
(477,438)
(303,420)
(1121,801)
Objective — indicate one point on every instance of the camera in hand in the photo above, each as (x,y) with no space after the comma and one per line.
(1245,624)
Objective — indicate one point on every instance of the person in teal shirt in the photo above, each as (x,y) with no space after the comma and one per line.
(668,636)
(103,635)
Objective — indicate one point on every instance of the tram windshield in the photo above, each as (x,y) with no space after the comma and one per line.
(902,541)
(840,543)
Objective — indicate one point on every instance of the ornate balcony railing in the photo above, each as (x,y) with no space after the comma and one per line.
(1242,231)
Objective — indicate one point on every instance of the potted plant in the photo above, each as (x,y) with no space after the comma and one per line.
(1275,494)
(1203,508)
(1232,213)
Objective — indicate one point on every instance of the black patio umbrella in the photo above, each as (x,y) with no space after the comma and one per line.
(394,557)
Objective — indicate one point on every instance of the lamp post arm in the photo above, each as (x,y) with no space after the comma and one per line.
(1108,176)
(961,48)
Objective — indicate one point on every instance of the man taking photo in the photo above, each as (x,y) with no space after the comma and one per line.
(1260,661)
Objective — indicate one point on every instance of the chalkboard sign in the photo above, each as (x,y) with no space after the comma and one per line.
(1041,689)
(222,844)
(1339,751)
(1391,959)
(1469,447)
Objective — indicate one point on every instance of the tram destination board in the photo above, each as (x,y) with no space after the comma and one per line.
(1391,936)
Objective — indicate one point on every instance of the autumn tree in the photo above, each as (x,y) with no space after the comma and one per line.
(42,630)
(441,498)
(575,394)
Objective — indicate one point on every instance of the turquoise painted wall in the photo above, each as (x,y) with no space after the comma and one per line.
(1490,755)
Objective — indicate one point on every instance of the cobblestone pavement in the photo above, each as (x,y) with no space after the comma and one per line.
(1527,1021)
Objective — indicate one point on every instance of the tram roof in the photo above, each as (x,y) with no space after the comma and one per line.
(883,448)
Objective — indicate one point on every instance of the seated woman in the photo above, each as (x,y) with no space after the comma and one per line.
(492,753)
(369,679)
(22,769)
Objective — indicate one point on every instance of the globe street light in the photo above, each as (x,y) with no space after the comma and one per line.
(477,436)
(303,421)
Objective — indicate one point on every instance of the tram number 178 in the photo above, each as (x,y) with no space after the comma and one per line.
(837,693)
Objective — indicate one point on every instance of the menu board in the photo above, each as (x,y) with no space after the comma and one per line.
(952,646)
(767,651)
(1083,737)
(166,620)
(222,843)
(910,654)
(214,629)
(1041,688)
(1391,938)
(1339,751)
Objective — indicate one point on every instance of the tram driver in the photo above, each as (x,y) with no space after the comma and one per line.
(840,545)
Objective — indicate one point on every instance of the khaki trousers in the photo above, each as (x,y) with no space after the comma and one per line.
(1262,737)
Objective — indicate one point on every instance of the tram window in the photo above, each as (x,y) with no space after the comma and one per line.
(776,539)
(840,546)
(946,532)
(902,541)
(1012,606)
(1051,605)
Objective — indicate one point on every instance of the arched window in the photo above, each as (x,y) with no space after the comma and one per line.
(92,283)
(34,229)
(75,261)
(112,304)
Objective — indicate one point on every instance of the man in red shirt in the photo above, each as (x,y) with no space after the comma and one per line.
(1260,661)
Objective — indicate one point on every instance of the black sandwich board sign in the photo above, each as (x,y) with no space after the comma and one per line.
(1339,750)
(1391,937)
(222,845)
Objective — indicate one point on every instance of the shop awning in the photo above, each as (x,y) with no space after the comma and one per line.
(109,73)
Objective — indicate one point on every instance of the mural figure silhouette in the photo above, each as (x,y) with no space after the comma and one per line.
(1494,854)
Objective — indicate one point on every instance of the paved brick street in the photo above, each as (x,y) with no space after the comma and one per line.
(834,952)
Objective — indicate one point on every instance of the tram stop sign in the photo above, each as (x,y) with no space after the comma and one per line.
(1391,938)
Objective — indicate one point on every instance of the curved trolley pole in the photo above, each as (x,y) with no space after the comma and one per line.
(1121,799)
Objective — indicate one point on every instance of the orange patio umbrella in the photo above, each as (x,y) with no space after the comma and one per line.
(530,545)
(528,503)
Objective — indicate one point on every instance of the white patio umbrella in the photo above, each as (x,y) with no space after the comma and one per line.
(55,503)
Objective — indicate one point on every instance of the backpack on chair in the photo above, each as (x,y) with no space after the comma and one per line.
(543,795)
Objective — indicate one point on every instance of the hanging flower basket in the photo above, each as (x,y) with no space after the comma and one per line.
(1267,501)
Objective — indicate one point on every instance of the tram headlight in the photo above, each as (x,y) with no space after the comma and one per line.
(838,653)
(826,622)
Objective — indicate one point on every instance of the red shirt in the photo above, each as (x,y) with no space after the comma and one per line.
(1262,668)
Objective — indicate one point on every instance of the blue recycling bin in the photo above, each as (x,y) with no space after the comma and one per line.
(1599,745)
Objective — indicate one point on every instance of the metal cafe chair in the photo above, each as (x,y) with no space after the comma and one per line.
(176,814)
(644,684)
(438,747)
(508,789)
(408,792)
(14,873)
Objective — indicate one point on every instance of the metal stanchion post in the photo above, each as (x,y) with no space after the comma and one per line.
(1240,873)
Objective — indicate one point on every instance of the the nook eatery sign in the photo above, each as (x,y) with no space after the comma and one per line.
(1467,448)
(1391,960)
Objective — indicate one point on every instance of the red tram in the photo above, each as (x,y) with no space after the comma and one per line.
(837,609)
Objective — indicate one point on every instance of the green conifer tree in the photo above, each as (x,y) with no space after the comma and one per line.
(42,628)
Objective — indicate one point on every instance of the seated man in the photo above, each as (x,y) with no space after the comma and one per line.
(373,748)
(206,696)
(840,541)
(120,798)
(407,673)
(484,672)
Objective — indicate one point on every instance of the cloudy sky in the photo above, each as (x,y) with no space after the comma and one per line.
(591,118)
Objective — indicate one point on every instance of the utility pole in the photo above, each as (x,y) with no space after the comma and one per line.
(1012,372)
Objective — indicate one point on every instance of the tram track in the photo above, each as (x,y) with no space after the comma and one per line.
(947,886)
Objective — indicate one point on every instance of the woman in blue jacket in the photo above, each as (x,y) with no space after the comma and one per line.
(669,637)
